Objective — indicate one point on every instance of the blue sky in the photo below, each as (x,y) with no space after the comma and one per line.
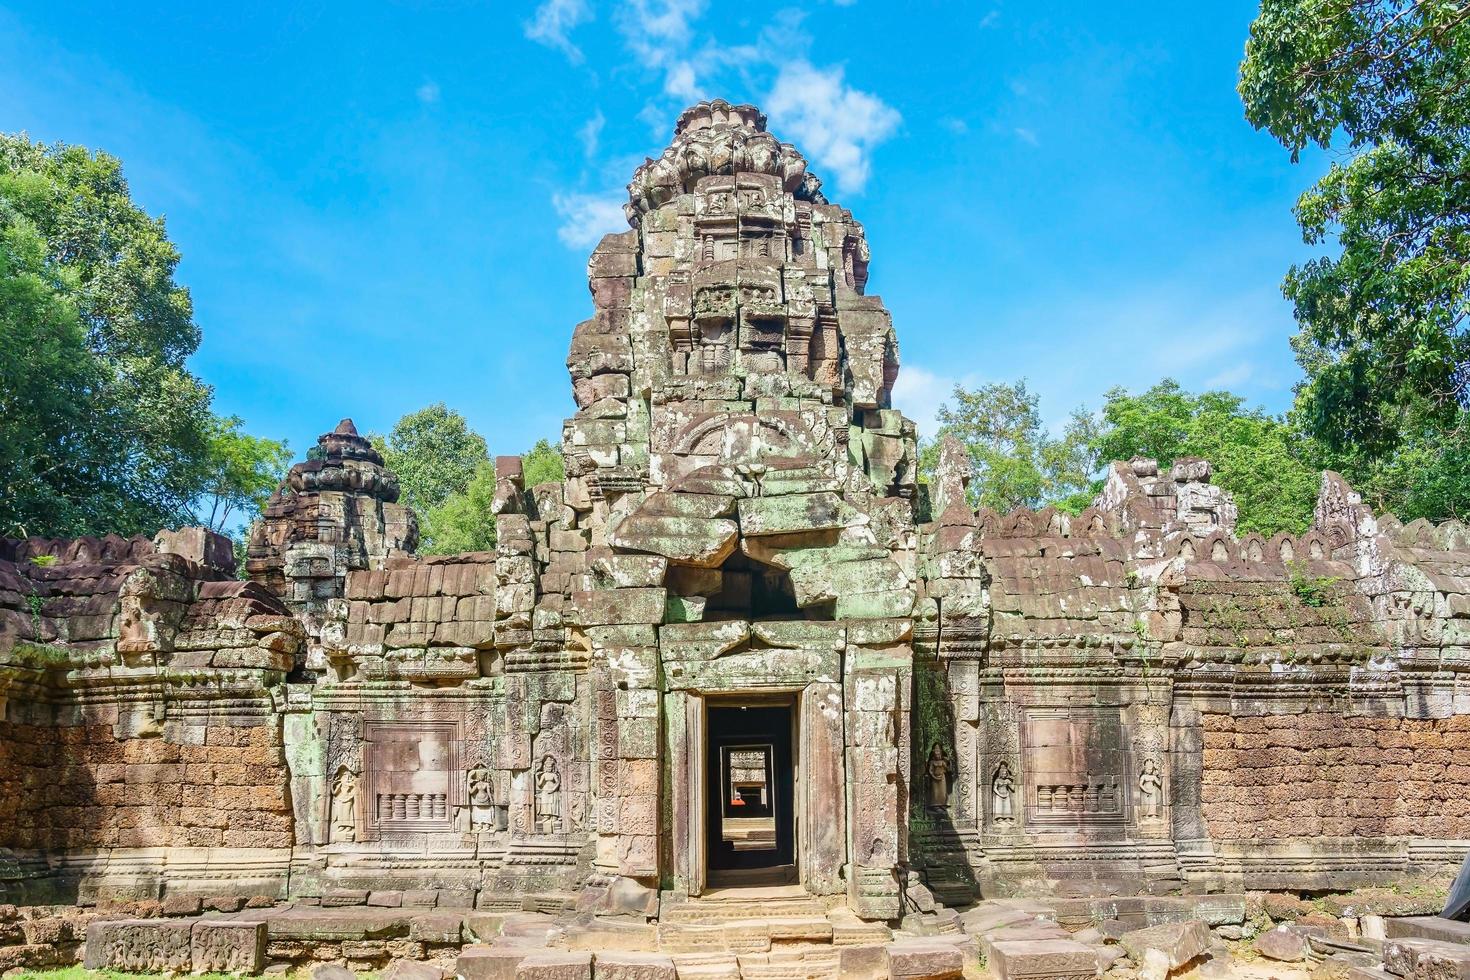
(381,206)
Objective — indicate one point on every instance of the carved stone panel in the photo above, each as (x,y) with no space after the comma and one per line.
(1074,762)
(413,777)
(228,946)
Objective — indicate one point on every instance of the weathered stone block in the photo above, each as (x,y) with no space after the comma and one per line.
(634,966)
(555,965)
(1014,959)
(1180,942)
(490,962)
(437,927)
(228,946)
(140,946)
(924,960)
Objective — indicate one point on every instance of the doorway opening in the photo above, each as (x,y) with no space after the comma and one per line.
(750,805)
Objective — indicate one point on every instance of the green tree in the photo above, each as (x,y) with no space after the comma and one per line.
(241,471)
(542,464)
(1258,459)
(47,376)
(1017,464)
(121,442)
(435,454)
(444,470)
(462,521)
(1384,87)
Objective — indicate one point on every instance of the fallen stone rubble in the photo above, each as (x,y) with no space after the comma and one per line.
(1364,935)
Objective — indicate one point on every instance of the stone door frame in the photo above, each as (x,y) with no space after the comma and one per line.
(817,780)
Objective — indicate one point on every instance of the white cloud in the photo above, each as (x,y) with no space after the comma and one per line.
(1232,377)
(554,21)
(989,19)
(659,33)
(919,393)
(585,218)
(1027,136)
(591,134)
(835,124)
(955,125)
(428,93)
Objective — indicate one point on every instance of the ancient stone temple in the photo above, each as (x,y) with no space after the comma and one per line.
(741,645)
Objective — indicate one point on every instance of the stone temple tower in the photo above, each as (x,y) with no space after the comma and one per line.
(746,490)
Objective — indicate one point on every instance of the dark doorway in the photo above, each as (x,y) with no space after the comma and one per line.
(750,807)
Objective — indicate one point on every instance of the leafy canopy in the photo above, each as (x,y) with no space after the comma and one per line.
(434,452)
(1384,87)
(1258,459)
(1017,463)
(241,471)
(446,476)
(102,426)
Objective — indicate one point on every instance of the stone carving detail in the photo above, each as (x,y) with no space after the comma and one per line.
(1151,790)
(344,806)
(1002,795)
(549,818)
(938,768)
(224,946)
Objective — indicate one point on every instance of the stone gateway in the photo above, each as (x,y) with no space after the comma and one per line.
(742,644)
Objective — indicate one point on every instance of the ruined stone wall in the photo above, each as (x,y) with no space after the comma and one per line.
(192,785)
(1323,774)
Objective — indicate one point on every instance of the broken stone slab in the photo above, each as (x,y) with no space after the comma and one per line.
(1014,959)
(228,946)
(331,971)
(490,962)
(437,927)
(795,513)
(1180,942)
(140,946)
(1426,927)
(337,924)
(924,959)
(1285,943)
(985,918)
(553,964)
(1426,959)
(1036,929)
(401,969)
(633,966)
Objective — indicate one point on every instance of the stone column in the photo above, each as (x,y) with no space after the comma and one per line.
(872,709)
(823,846)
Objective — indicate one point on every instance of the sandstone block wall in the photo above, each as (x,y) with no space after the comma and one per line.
(193,785)
(1323,774)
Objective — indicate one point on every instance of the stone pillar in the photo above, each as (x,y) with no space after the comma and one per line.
(823,847)
(872,710)
(684,777)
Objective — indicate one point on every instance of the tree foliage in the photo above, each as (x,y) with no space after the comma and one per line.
(542,464)
(1017,463)
(435,454)
(104,428)
(1258,459)
(444,470)
(462,521)
(1384,86)
(241,471)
